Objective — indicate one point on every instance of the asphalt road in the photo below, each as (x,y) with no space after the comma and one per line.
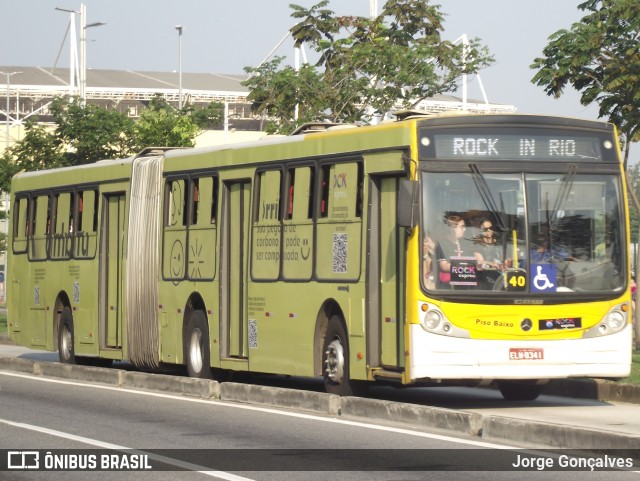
(92,415)
(48,414)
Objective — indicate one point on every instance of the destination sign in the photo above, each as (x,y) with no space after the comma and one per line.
(517,147)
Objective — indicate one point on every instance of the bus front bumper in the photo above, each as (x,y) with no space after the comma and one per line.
(438,357)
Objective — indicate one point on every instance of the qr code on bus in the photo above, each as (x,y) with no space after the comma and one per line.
(253,334)
(340,253)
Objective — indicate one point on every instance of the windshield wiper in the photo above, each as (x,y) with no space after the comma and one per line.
(563,193)
(487,196)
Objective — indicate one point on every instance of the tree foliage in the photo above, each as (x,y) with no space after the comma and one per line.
(365,66)
(91,132)
(599,57)
(633,175)
(162,125)
(87,133)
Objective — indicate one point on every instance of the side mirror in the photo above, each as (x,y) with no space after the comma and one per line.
(407,203)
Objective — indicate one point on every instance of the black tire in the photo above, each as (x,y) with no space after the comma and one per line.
(66,351)
(520,390)
(335,362)
(196,346)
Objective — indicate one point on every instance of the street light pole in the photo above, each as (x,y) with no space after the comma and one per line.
(8,75)
(179,29)
(73,50)
(83,51)
(6,195)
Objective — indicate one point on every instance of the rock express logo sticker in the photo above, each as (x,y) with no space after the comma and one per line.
(561,323)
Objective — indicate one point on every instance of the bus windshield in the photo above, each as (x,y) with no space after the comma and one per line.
(531,233)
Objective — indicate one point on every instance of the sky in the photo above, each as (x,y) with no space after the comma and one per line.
(224,36)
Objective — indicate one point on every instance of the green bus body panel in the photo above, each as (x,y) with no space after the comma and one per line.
(35,282)
(281,272)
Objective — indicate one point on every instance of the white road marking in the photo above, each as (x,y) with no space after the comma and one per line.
(102,444)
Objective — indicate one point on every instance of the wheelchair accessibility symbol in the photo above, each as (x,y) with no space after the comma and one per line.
(544,279)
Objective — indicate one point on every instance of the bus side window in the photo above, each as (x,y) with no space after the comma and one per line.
(30,226)
(177,207)
(267,228)
(86,211)
(338,227)
(175,203)
(214,200)
(195,200)
(40,227)
(50,213)
(20,225)
(297,235)
(62,210)
(85,242)
(291,175)
(80,209)
(324,191)
(60,244)
(200,255)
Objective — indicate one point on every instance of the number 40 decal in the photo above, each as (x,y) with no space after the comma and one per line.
(516,281)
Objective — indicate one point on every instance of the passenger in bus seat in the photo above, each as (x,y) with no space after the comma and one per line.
(485,247)
(451,245)
(428,253)
(488,254)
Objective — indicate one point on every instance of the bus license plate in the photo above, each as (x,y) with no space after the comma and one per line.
(526,354)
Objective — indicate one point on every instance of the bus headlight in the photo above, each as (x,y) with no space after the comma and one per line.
(614,321)
(432,320)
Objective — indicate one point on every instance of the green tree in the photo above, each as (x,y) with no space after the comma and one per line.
(161,125)
(91,132)
(366,66)
(633,176)
(599,57)
(39,149)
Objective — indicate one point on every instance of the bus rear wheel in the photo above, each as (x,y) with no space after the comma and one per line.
(197,346)
(520,390)
(335,362)
(66,352)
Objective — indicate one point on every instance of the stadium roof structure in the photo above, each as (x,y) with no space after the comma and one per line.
(32,88)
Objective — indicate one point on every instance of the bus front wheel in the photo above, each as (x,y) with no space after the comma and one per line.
(519,390)
(335,362)
(66,352)
(197,346)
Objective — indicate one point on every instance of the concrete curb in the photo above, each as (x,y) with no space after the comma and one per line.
(560,436)
(413,414)
(598,389)
(485,427)
(280,397)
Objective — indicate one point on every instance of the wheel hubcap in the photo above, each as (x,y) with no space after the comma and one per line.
(195,350)
(334,361)
(66,342)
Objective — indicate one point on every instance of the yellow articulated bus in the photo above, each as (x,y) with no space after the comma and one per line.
(465,249)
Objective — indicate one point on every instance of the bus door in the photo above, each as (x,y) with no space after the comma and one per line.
(385,341)
(111,270)
(233,276)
